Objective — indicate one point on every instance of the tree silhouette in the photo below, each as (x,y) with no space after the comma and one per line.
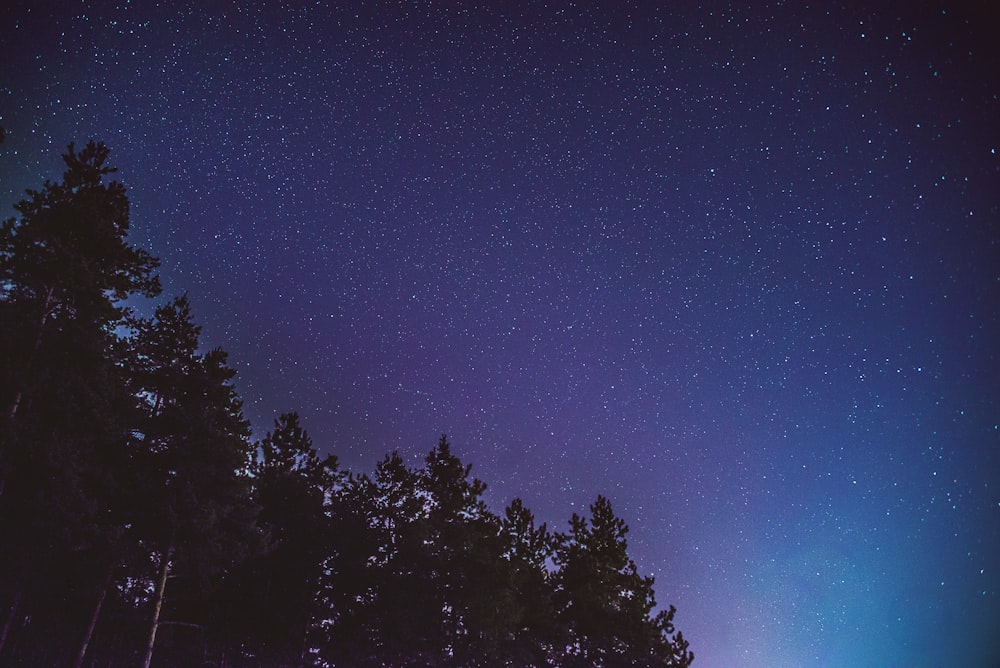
(603,603)
(140,521)
(65,263)
(266,605)
(196,513)
(380,608)
(65,267)
(528,549)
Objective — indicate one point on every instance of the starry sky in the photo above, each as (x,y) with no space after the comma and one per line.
(734,265)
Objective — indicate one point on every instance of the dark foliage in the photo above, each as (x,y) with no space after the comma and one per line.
(143,527)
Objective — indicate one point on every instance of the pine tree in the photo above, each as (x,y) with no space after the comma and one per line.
(267,605)
(466,568)
(193,453)
(603,603)
(433,579)
(528,549)
(378,603)
(65,264)
(65,267)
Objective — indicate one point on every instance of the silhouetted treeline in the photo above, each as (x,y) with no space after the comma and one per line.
(141,525)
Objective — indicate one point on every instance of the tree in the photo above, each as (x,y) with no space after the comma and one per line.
(65,267)
(66,264)
(374,595)
(604,605)
(528,549)
(410,597)
(465,563)
(266,606)
(435,579)
(193,453)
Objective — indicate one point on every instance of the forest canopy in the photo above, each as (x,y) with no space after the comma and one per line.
(145,526)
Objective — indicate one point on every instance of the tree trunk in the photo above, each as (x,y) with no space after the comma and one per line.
(304,646)
(101,596)
(11,615)
(161,585)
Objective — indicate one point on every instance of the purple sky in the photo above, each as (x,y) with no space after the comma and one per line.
(736,268)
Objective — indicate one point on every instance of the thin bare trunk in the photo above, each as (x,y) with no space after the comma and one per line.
(161,585)
(101,596)
(304,647)
(11,615)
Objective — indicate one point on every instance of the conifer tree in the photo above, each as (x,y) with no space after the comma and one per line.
(378,603)
(65,267)
(193,452)
(528,549)
(268,603)
(467,571)
(65,264)
(604,605)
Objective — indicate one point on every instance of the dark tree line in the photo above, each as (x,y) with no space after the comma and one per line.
(141,525)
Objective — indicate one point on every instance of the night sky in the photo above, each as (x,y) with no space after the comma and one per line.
(736,268)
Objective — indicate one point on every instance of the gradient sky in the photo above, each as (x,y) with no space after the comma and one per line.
(735,267)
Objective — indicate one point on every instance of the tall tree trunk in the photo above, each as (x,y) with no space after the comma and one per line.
(161,585)
(101,596)
(11,615)
(304,646)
